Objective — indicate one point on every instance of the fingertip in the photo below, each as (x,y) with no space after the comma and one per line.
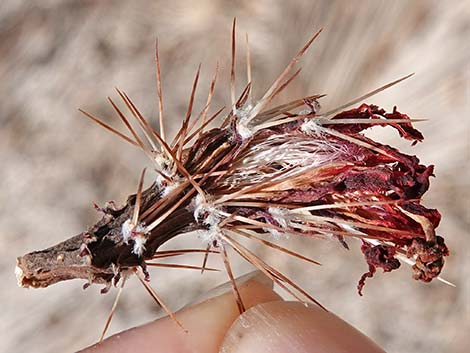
(293,327)
(206,322)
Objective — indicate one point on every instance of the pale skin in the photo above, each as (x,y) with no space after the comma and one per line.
(268,325)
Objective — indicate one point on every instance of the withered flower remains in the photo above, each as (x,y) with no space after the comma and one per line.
(262,174)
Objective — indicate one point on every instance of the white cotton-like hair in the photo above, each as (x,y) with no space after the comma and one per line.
(139,244)
(281,216)
(130,231)
(205,210)
(311,127)
(126,230)
(276,234)
(164,166)
(242,126)
(279,152)
(169,188)
(209,215)
(198,206)
(243,130)
(162,161)
(159,180)
(208,236)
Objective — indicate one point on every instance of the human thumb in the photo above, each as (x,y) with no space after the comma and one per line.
(293,327)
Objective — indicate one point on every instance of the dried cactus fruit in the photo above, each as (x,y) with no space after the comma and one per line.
(262,174)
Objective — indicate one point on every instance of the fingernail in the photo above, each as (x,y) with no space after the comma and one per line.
(277,327)
(227,286)
(254,319)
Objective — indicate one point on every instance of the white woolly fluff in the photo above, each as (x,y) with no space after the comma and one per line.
(210,235)
(311,127)
(304,112)
(160,181)
(242,126)
(137,233)
(280,215)
(280,152)
(243,130)
(126,230)
(164,166)
(139,244)
(276,234)
(207,210)
(210,216)
(169,188)
(162,161)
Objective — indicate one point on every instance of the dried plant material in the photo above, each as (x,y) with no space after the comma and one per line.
(263,174)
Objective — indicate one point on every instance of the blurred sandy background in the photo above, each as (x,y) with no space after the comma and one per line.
(56,56)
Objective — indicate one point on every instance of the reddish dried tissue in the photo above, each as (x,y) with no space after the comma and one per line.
(311,176)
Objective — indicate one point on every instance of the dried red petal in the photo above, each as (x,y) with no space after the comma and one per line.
(381,256)
(365,111)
